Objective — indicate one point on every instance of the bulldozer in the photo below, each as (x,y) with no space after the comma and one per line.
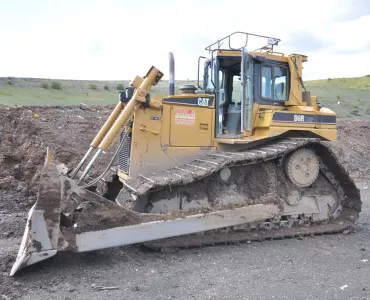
(244,155)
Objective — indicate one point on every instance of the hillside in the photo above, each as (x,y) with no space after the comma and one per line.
(37,91)
(346,96)
(344,83)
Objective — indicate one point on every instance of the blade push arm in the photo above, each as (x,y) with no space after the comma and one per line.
(119,118)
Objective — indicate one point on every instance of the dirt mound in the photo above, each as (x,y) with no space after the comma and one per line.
(353,146)
(26,132)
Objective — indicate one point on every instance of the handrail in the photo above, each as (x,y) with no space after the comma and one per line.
(271,41)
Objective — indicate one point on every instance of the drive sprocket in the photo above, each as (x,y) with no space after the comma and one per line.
(302,167)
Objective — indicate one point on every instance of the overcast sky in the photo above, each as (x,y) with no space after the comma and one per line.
(118,39)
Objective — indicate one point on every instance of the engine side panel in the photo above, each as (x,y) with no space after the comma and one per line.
(162,139)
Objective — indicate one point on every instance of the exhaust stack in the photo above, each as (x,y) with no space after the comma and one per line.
(172,74)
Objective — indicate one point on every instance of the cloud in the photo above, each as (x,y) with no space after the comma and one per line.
(96,46)
(365,48)
(336,66)
(114,39)
(355,9)
(305,42)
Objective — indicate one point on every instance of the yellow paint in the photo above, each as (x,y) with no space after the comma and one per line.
(326,133)
(112,134)
(165,135)
(137,81)
(237,53)
(191,126)
(166,128)
(107,125)
(151,151)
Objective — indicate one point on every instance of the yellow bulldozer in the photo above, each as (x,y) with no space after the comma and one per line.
(242,156)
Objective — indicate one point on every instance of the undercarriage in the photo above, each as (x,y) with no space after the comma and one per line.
(301,176)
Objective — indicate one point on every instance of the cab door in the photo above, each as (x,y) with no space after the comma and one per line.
(246,90)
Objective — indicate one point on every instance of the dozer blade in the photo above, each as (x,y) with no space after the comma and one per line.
(67,217)
(40,238)
(35,245)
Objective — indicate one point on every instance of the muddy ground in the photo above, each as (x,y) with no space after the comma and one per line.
(312,268)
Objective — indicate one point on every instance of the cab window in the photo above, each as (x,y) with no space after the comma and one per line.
(274,82)
(210,80)
(280,83)
(266,84)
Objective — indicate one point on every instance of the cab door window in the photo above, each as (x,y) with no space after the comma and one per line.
(236,92)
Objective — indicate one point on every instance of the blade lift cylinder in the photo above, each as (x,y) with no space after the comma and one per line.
(99,137)
(139,96)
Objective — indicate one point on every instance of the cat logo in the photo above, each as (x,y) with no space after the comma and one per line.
(298,118)
(203,101)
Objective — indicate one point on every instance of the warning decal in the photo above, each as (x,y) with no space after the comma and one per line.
(185,116)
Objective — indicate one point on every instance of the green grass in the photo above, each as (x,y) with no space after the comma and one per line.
(5,93)
(353,94)
(71,92)
(343,83)
(12,96)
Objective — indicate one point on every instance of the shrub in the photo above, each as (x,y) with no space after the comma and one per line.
(106,87)
(45,85)
(355,106)
(355,112)
(10,83)
(329,79)
(338,98)
(93,86)
(55,85)
(120,86)
(368,111)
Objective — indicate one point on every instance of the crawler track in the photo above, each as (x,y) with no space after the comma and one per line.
(347,195)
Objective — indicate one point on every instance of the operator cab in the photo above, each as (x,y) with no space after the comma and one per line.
(238,80)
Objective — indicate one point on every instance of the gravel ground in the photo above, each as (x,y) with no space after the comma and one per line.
(323,267)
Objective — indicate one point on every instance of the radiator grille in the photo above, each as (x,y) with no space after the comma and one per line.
(124,155)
